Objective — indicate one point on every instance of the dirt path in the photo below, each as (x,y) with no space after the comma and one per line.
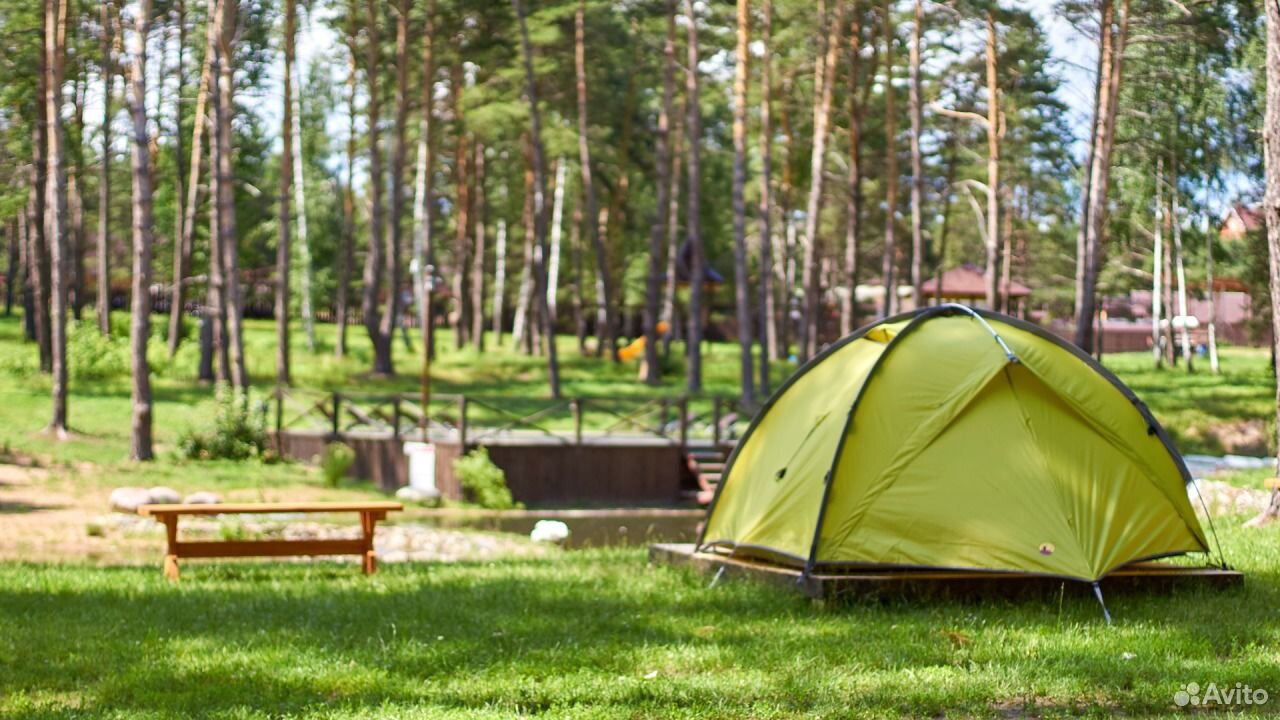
(63,516)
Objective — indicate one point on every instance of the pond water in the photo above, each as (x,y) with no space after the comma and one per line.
(587,528)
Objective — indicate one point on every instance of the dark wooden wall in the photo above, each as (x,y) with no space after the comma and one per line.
(538,474)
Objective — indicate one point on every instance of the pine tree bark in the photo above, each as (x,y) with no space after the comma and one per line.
(228,241)
(853,193)
(400,151)
(824,79)
(520,334)
(13,248)
(557,223)
(478,256)
(104,172)
(888,262)
(181,253)
(606,318)
(1271,204)
(216,307)
(992,272)
(500,267)
(662,193)
(1184,333)
(462,213)
(422,207)
(283,244)
(347,241)
(575,249)
(182,257)
(741,288)
(305,307)
(917,162)
(55,191)
(1111,65)
(539,201)
(670,306)
(768,334)
(373,265)
(140,446)
(693,216)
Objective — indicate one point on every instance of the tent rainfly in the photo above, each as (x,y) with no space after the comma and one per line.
(960,439)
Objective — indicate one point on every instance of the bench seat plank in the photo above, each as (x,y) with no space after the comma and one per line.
(238,508)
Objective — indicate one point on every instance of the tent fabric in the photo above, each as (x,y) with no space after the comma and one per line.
(955,438)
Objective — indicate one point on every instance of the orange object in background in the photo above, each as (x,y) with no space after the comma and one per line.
(635,350)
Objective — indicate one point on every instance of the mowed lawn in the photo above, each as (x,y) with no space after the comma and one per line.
(602,634)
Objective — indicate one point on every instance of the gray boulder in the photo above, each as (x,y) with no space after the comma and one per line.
(128,499)
(161,495)
(202,498)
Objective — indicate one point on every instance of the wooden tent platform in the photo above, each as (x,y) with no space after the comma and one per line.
(1141,577)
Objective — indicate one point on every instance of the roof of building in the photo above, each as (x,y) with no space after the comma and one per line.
(969,281)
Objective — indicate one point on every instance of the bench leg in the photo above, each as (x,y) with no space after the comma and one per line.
(171,556)
(171,567)
(369,562)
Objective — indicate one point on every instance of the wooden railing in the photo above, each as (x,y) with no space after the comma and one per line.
(477,419)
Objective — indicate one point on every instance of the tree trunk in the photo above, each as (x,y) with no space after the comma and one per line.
(216,307)
(992,272)
(462,214)
(477,262)
(1179,267)
(669,298)
(539,199)
(373,264)
(824,78)
(606,317)
(182,256)
(693,212)
(1157,268)
(1271,202)
(662,198)
(917,163)
(520,325)
(104,172)
(300,208)
(143,241)
(500,267)
(768,334)
(741,289)
(226,201)
(423,207)
(399,153)
(283,249)
(853,194)
(889,261)
(347,242)
(575,249)
(940,266)
(1110,70)
(181,244)
(1211,296)
(55,190)
(557,222)
(11,266)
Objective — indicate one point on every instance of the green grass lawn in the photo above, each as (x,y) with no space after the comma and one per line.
(601,634)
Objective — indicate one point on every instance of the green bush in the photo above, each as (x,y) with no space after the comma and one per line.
(484,482)
(94,356)
(335,462)
(237,434)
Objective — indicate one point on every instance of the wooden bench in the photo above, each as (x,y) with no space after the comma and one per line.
(370,514)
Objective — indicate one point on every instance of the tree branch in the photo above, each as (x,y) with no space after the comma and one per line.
(960,114)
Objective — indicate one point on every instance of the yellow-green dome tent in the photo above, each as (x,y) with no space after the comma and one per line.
(955,438)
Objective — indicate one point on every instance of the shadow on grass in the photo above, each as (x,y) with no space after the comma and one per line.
(18,507)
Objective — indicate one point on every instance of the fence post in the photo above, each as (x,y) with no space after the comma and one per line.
(576,406)
(683,406)
(337,410)
(715,421)
(462,421)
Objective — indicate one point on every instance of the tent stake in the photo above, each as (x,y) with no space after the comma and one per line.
(1097,591)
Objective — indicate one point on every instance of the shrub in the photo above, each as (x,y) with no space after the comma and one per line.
(236,434)
(484,482)
(337,459)
(94,356)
